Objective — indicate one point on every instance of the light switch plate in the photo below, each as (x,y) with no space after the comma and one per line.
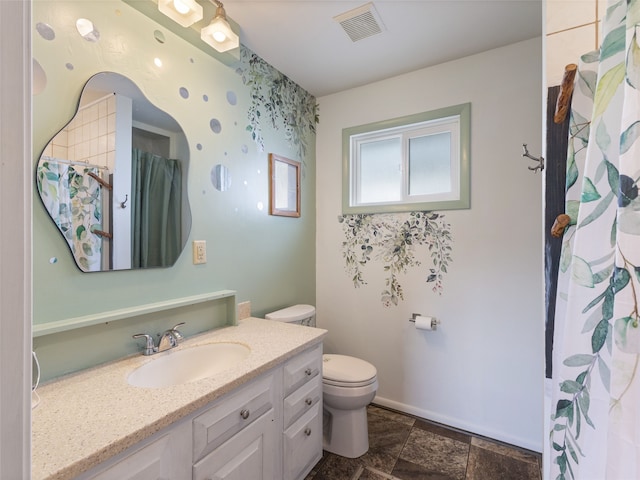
(199,252)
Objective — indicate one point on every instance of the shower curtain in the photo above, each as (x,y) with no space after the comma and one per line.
(595,424)
(156,210)
(74,202)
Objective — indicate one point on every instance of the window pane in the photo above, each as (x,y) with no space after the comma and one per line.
(430,164)
(380,171)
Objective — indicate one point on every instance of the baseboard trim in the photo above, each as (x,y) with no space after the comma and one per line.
(535,446)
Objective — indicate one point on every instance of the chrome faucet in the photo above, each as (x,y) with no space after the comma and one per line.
(169,339)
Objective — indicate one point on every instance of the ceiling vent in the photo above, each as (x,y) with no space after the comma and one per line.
(361,22)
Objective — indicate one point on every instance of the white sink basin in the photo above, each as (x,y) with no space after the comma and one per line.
(176,367)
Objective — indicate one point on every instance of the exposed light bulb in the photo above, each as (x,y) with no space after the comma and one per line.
(181,7)
(219,36)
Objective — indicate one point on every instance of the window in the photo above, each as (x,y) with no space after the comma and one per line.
(417,162)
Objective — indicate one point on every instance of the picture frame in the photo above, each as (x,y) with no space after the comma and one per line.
(284,186)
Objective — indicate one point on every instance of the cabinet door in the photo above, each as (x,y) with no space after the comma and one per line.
(164,457)
(303,444)
(249,455)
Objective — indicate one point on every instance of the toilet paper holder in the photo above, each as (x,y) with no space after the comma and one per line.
(434,321)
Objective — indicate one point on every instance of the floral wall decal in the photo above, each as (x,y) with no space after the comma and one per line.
(277,99)
(391,239)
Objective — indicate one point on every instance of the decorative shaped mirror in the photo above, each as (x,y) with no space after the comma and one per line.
(113,180)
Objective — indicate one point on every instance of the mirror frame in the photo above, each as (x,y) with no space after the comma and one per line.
(462,111)
(291,210)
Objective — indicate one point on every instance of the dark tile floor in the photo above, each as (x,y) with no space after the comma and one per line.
(402,447)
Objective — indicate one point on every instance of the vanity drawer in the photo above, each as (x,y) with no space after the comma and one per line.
(303,444)
(225,419)
(303,368)
(302,400)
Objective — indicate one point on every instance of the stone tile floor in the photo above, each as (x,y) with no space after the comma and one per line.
(402,447)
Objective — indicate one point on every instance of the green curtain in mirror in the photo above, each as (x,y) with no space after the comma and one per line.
(156,186)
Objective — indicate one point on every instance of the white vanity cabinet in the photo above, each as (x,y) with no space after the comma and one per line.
(166,455)
(238,438)
(302,438)
(267,429)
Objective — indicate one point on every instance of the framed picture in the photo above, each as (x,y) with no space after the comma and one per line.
(284,186)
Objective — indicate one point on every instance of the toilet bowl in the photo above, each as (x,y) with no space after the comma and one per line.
(349,384)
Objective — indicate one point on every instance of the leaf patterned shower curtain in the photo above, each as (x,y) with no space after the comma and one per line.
(74,202)
(595,424)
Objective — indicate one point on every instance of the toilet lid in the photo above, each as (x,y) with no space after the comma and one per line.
(347,370)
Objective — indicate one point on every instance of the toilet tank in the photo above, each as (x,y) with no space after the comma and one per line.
(298,314)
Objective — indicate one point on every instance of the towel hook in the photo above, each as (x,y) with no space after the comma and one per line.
(540,160)
(124,204)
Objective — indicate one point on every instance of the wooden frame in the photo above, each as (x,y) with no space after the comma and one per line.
(284,186)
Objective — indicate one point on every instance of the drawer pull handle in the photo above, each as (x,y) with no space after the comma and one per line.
(245,414)
(308,371)
(308,401)
(307,431)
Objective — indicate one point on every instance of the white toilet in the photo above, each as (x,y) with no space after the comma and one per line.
(348,386)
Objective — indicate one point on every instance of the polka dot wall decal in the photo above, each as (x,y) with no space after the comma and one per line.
(87,30)
(231,98)
(184,93)
(215,125)
(39,77)
(45,31)
(199,146)
(205,98)
(69,66)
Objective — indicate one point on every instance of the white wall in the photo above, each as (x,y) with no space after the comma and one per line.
(482,371)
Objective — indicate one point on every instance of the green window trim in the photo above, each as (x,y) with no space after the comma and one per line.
(463,201)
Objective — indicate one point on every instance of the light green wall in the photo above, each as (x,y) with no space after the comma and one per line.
(268,260)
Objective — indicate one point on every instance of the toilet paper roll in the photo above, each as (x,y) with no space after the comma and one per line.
(425,323)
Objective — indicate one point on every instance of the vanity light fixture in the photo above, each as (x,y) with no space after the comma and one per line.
(184,12)
(218,33)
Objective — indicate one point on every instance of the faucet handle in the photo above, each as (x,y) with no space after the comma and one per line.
(149,348)
(176,333)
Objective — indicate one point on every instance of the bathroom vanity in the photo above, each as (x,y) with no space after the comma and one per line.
(261,418)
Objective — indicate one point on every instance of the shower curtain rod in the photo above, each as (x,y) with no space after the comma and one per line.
(73,162)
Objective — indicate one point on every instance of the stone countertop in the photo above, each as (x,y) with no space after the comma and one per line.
(86,418)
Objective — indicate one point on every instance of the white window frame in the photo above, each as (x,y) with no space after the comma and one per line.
(454,120)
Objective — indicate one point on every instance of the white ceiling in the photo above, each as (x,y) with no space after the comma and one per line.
(302,40)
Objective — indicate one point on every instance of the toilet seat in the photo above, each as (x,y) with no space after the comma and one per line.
(346,371)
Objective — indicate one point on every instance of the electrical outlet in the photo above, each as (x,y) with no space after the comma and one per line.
(199,252)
